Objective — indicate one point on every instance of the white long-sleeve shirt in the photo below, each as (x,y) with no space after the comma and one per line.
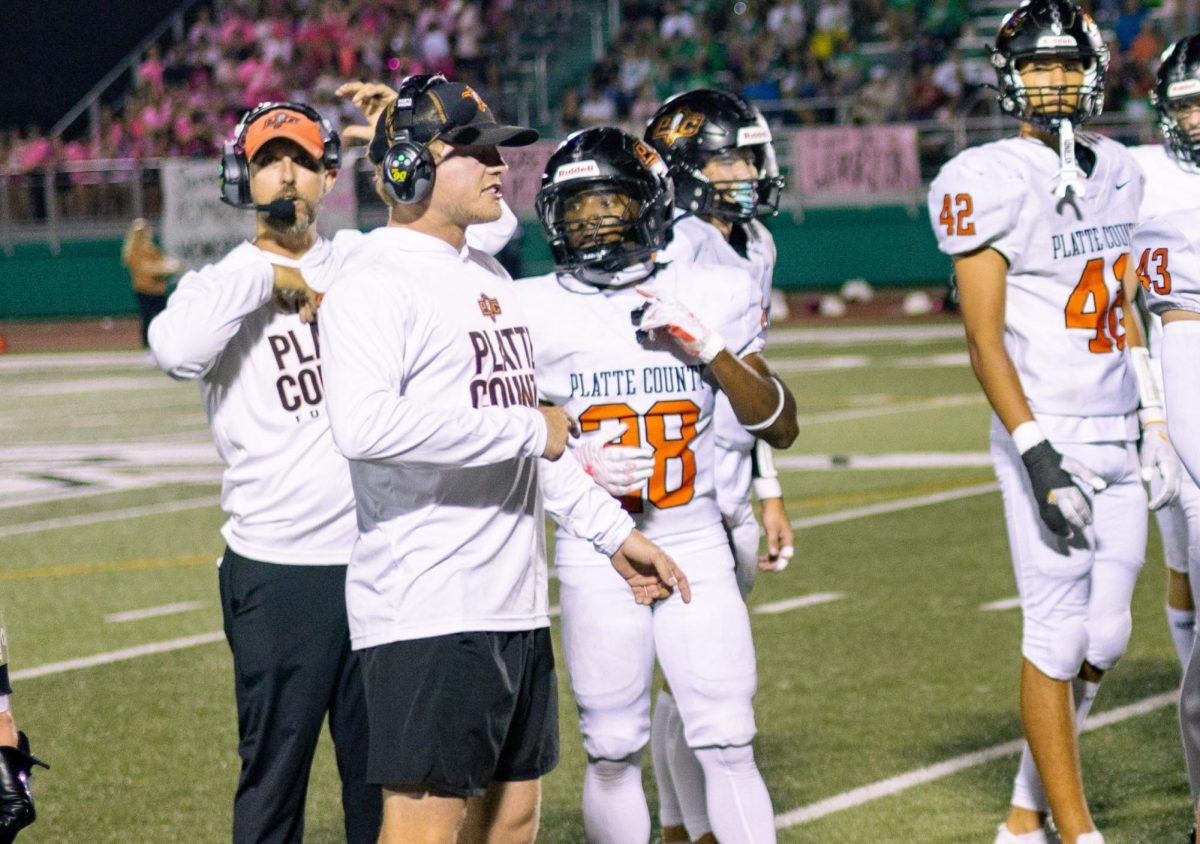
(432,397)
(285,488)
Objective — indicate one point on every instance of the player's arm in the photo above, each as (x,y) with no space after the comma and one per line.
(761,401)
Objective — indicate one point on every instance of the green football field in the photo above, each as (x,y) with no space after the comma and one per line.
(888,651)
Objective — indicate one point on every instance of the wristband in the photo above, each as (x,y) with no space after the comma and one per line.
(712,347)
(1026,435)
(1149,395)
(770,420)
(768,488)
(4,706)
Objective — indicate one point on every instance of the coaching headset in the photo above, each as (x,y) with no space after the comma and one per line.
(406,166)
(235,169)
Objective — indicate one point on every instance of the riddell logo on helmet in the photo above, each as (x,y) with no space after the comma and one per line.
(1050,42)
(680,124)
(576,170)
(751,135)
(1183,88)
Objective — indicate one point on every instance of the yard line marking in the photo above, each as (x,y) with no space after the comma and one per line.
(965,400)
(903,460)
(109,516)
(1006,604)
(153,612)
(119,656)
(555,611)
(96,385)
(826,364)
(94,360)
(848,336)
(111,566)
(902,782)
(895,506)
(795,603)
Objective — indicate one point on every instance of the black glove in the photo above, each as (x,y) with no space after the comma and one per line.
(1057,488)
(16,801)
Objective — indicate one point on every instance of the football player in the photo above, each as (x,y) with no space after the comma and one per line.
(1172,184)
(1168,266)
(1038,227)
(722,163)
(638,351)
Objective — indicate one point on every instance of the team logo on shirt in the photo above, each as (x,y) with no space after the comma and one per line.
(489,307)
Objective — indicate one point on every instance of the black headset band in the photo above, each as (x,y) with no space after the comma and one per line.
(243,126)
(412,88)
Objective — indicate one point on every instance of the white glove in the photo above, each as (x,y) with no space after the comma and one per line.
(692,336)
(618,469)
(1157,455)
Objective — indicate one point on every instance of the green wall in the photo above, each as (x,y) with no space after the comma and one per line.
(888,246)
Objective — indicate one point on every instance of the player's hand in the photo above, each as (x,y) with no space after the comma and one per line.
(1058,488)
(16,800)
(685,328)
(560,426)
(649,571)
(618,469)
(778,528)
(371,98)
(292,291)
(1159,458)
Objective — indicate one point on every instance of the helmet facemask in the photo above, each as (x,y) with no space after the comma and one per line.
(1179,120)
(1034,103)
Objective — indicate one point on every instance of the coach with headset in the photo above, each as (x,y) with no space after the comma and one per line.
(246,333)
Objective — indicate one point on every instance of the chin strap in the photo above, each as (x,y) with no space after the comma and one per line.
(1069,181)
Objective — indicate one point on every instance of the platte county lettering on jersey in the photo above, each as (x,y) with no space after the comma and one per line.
(1170,188)
(285,487)
(1172,244)
(590,362)
(1062,316)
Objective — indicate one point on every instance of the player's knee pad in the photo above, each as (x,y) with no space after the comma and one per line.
(611,735)
(1108,637)
(1056,648)
(614,770)
(733,761)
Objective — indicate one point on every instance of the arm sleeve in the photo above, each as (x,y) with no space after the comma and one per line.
(206,311)
(765,475)
(494,236)
(363,363)
(974,203)
(1181,380)
(581,507)
(1170,273)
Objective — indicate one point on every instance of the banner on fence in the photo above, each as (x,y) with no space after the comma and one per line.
(854,161)
(524,176)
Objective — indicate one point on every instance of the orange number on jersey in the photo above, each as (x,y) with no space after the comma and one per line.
(667,447)
(1103,316)
(1159,256)
(957,224)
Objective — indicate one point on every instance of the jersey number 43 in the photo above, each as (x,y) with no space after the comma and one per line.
(670,450)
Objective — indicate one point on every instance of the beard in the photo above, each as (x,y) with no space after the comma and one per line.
(306,215)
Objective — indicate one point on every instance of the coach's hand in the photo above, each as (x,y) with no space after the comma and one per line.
(560,426)
(1058,488)
(649,571)
(16,801)
(371,98)
(618,469)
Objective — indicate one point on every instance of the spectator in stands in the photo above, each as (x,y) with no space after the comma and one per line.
(676,23)
(597,108)
(1129,23)
(149,270)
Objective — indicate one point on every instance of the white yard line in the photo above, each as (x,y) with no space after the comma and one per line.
(998,606)
(903,782)
(795,603)
(965,400)
(153,612)
(894,506)
(905,460)
(110,516)
(118,656)
(860,334)
(92,360)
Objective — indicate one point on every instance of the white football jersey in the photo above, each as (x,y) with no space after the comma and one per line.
(432,398)
(1065,264)
(1169,188)
(1171,245)
(285,487)
(590,362)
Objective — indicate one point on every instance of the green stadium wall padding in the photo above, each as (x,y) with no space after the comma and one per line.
(889,246)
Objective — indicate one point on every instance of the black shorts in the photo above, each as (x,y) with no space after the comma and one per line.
(450,714)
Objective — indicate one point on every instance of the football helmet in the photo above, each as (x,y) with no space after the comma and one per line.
(1049,28)
(1178,86)
(694,127)
(605,203)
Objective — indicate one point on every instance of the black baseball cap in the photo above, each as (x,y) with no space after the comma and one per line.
(450,111)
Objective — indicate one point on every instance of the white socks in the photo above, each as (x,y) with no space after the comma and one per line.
(739,807)
(1183,631)
(681,796)
(614,804)
(669,813)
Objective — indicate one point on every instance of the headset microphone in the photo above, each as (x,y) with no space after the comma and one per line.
(283,209)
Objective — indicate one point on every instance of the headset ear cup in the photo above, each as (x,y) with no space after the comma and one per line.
(408,170)
(235,182)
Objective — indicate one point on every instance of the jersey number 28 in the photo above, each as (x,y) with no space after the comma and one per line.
(668,449)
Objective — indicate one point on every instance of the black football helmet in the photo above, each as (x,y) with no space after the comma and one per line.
(589,235)
(692,128)
(1049,28)
(1178,86)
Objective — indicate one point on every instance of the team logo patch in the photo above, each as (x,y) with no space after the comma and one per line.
(751,135)
(680,124)
(1183,88)
(649,157)
(469,93)
(488,306)
(576,170)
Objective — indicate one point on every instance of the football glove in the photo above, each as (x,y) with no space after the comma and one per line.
(1057,488)
(1157,456)
(16,801)
(618,469)
(692,336)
